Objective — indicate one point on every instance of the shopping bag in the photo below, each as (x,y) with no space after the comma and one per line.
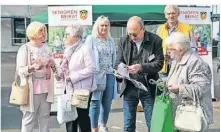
(66,112)
(161,120)
(168,123)
(162,115)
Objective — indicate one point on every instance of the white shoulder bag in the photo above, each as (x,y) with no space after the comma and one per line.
(190,117)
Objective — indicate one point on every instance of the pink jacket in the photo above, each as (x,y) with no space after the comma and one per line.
(82,68)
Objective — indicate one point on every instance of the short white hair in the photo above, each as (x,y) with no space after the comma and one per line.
(75,30)
(95,31)
(178,41)
(173,7)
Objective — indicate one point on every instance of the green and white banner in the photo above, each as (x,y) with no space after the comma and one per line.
(200,20)
(59,17)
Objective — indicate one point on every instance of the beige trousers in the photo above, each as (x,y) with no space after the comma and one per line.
(41,114)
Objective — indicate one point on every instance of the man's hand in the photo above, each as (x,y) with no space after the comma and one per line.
(133,69)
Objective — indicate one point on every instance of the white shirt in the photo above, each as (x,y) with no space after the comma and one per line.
(138,44)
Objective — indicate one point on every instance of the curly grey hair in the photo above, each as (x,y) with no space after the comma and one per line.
(75,30)
(178,40)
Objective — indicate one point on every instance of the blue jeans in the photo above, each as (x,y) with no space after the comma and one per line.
(101,108)
(132,95)
(204,45)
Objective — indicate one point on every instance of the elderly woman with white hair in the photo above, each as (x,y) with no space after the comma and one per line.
(78,66)
(105,55)
(189,76)
(35,64)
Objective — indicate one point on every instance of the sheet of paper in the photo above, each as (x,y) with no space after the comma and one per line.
(122,70)
(123,73)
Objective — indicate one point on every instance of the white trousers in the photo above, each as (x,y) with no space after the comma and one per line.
(41,114)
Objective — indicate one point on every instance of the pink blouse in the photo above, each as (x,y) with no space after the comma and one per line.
(41,78)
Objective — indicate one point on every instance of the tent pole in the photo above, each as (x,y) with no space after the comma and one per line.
(25,28)
(122,32)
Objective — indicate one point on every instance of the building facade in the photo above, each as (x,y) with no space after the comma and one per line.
(14,20)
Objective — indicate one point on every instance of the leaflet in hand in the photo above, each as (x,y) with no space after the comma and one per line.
(122,70)
(123,73)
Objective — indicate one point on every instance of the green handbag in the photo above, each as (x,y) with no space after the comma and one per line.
(162,120)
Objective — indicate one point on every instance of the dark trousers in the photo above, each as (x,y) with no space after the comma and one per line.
(83,121)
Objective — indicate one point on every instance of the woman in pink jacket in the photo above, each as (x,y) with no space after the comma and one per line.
(78,66)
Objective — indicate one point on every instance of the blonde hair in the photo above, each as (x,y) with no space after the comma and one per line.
(33,29)
(173,7)
(95,31)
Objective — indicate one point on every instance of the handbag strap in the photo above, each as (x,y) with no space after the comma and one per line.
(161,87)
(196,101)
(92,81)
(16,72)
(66,83)
(16,77)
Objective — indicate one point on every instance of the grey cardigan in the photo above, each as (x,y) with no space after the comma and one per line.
(192,73)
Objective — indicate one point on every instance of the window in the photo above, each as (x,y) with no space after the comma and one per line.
(19,30)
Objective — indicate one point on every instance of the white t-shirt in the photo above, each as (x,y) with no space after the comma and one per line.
(138,44)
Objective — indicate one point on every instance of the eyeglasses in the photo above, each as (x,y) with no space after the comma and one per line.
(135,34)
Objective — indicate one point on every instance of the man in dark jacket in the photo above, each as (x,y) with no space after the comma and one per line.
(142,52)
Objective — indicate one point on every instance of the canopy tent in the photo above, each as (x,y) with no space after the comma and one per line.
(119,14)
